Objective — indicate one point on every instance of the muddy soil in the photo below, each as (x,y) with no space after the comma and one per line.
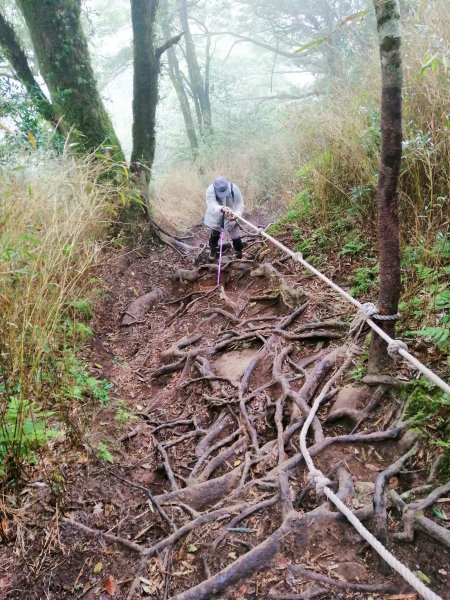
(211,386)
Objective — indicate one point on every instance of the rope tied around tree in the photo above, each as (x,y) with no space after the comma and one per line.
(370,320)
(367,311)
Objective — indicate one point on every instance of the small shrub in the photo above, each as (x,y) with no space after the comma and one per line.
(430,409)
(123,416)
(364,280)
(82,308)
(104,453)
(355,248)
(23,430)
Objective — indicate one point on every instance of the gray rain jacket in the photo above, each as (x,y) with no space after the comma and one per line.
(213,215)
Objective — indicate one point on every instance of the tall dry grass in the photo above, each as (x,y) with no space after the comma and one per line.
(263,170)
(339,136)
(329,147)
(52,229)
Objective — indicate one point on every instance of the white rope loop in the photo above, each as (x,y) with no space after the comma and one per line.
(395,317)
(395,346)
(318,479)
(321,482)
(368,309)
(402,351)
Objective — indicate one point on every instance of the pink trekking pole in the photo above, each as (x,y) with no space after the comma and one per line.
(220,249)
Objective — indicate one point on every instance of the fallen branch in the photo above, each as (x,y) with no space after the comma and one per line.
(343,585)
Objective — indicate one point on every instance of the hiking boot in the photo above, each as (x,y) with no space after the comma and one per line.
(238,255)
(212,257)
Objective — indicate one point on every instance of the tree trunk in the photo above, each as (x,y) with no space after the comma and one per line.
(19,63)
(388,25)
(145,90)
(200,91)
(62,52)
(178,84)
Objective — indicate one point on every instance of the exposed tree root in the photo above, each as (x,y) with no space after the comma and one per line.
(244,566)
(379,495)
(241,462)
(414,519)
(343,585)
(138,308)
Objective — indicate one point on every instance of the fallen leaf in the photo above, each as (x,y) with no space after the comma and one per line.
(237,463)
(232,555)
(423,577)
(110,585)
(98,510)
(241,592)
(393,482)
(372,467)
(440,514)
(192,548)
(443,572)
(97,568)
(5,527)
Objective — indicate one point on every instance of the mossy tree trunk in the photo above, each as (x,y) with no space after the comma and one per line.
(17,58)
(63,56)
(145,90)
(388,25)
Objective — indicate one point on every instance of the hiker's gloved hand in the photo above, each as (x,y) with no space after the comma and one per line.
(231,217)
(226,210)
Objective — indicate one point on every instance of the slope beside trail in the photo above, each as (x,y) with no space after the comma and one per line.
(207,492)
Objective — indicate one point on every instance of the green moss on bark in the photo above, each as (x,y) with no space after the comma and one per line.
(62,52)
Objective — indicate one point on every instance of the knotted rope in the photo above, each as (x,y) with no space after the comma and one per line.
(398,349)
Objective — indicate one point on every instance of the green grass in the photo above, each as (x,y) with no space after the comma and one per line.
(52,231)
(429,408)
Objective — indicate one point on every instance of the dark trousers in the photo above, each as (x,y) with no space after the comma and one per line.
(214,241)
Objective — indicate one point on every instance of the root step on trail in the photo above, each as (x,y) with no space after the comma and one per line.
(209,494)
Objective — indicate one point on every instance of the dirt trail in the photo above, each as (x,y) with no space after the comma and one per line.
(207,492)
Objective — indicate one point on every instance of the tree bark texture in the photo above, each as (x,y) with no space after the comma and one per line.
(145,90)
(17,58)
(199,87)
(178,84)
(63,56)
(388,25)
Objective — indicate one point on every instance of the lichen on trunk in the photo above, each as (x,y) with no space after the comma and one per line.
(63,56)
(145,93)
(388,25)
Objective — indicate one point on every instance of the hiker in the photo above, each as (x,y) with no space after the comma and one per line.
(222,198)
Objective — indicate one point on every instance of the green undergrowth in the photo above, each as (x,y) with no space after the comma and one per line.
(332,217)
(429,409)
(53,228)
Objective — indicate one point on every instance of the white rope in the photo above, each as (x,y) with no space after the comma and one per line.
(316,476)
(322,483)
(396,346)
